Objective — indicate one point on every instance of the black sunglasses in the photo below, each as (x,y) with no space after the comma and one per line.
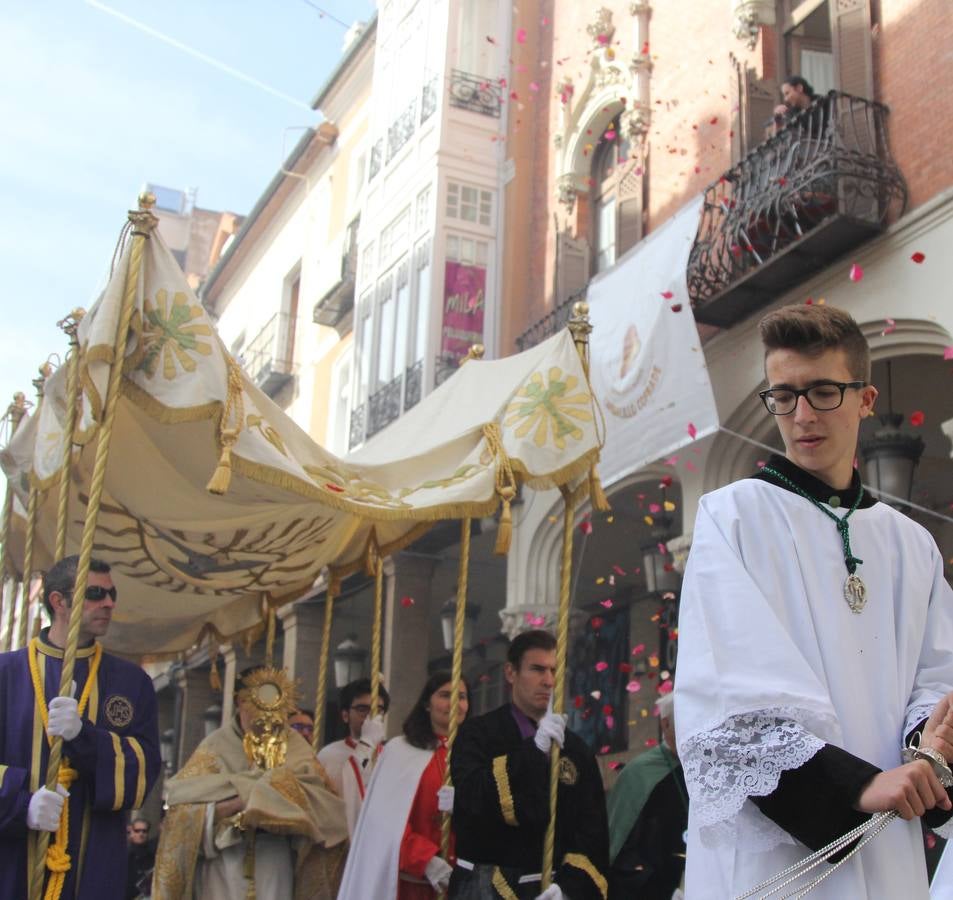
(96,593)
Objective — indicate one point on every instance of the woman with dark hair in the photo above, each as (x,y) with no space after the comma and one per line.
(395,850)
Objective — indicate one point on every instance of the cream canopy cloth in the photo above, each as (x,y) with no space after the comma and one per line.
(188,562)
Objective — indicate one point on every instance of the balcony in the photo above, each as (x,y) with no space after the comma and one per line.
(820,187)
(552,322)
(386,404)
(475,93)
(402,130)
(377,159)
(335,306)
(268,357)
(428,100)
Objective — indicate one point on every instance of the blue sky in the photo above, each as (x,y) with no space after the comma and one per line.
(92,108)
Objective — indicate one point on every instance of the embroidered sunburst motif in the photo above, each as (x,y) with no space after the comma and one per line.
(170,333)
(548,403)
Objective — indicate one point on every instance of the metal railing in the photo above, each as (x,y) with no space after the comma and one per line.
(356,426)
(268,356)
(475,93)
(413,384)
(383,406)
(824,183)
(549,324)
(338,301)
(401,130)
(386,404)
(428,100)
(377,159)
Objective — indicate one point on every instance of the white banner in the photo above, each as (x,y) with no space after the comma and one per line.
(647,365)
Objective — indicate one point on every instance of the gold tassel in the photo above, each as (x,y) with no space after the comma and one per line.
(222,476)
(504,533)
(214,680)
(597,496)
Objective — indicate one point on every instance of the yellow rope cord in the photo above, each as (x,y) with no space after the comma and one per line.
(32,505)
(562,639)
(58,860)
(72,390)
(144,221)
(234,409)
(505,485)
(4,542)
(321,694)
(456,669)
(376,633)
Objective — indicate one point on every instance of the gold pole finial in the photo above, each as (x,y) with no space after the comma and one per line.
(476,351)
(147,200)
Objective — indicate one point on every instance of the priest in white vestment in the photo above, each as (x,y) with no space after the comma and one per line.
(815,640)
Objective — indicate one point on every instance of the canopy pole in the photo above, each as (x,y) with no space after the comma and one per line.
(32,505)
(70,325)
(376,631)
(143,223)
(15,413)
(456,670)
(272,627)
(562,639)
(321,697)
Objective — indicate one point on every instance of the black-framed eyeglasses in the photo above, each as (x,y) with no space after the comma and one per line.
(823,396)
(302,727)
(362,708)
(96,593)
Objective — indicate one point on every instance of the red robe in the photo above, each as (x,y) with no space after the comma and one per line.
(421,841)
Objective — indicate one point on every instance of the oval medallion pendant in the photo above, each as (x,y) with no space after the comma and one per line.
(855,593)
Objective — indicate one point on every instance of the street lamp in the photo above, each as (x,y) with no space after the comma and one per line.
(448,618)
(349,659)
(891,455)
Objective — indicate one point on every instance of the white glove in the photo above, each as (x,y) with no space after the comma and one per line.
(438,873)
(64,718)
(445,798)
(552,893)
(552,727)
(43,813)
(373,731)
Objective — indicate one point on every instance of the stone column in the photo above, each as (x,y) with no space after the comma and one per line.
(303,624)
(197,696)
(406,632)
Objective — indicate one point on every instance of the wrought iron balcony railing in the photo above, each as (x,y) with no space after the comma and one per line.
(428,100)
(356,427)
(549,324)
(386,404)
(332,308)
(475,93)
(268,356)
(377,159)
(383,406)
(413,384)
(402,130)
(824,184)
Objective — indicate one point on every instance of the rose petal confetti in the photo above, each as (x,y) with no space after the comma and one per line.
(612,580)
(597,623)
(616,764)
(520,35)
(625,668)
(916,418)
(948,352)
(692,431)
(585,527)
(917,257)
(610,722)
(602,665)
(889,328)
(633,686)
(534,87)
(856,272)
(606,604)
(578,701)
(667,295)
(676,307)
(596,695)
(618,569)
(653,661)
(651,742)
(406,601)
(604,749)
(654,508)
(662,548)
(638,648)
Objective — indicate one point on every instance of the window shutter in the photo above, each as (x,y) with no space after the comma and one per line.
(572,275)
(853,54)
(630,212)
(761,96)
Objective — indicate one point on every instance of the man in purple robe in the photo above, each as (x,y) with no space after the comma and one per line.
(110,749)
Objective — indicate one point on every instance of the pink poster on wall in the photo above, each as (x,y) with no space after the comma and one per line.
(464,292)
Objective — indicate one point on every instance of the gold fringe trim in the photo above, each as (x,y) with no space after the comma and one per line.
(505,485)
(597,496)
(502,779)
(501,887)
(580,861)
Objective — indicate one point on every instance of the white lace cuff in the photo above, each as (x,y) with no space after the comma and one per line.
(915,716)
(744,757)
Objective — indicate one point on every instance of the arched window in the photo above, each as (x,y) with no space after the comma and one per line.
(616,219)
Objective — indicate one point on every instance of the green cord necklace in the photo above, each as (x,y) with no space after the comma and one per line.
(855,591)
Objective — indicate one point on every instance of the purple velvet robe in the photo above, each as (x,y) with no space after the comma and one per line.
(116,755)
